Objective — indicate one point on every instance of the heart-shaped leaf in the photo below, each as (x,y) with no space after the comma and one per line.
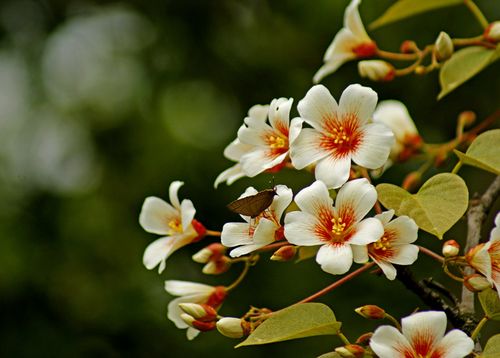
(484,152)
(297,321)
(406,8)
(490,303)
(437,206)
(492,349)
(463,65)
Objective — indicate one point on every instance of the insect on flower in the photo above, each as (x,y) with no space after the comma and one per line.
(253,205)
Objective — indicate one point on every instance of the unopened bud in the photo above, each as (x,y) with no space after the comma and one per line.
(466,118)
(202,256)
(231,327)
(200,229)
(370,312)
(188,319)
(411,181)
(443,47)
(472,253)
(376,70)
(199,325)
(408,46)
(350,351)
(284,253)
(492,32)
(420,70)
(364,338)
(451,248)
(199,312)
(476,283)
(216,267)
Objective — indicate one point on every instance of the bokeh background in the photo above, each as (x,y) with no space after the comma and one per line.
(103,103)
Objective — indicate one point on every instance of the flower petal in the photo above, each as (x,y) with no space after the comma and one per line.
(155,216)
(295,128)
(340,50)
(353,22)
(394,115)
(375,147)
(367,231)
(332,65)
(279,114)
(387,268)
(385,216)
(174,311)
(306,148)
(257,114)
(234,234)
(187,288)
(358,101)
(358,195)
(456,344)
(172,193)
(192,333)
(425,329)
(254,136)
(404,254)
(259,160)
(187,213)
(387,341)
(360,253)
(264,232)
(236,149)
(335,259)
(317,106)
(299,229)
(334,172)
(245,249)
(404,228)
(281,201)
(159,250)
(314,199)
(229,175)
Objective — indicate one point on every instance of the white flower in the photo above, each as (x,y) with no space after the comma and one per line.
(191,292)
(422,336)
(351,42)
(376,70)
(174,221)
(336,228)
(340,132)
(394,247)
(261,146)
(260,231)
(394,115)
(485,258)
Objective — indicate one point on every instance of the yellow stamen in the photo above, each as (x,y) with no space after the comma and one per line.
(175,225)
(338,226)
(339,135)
(383,244)
(276,142)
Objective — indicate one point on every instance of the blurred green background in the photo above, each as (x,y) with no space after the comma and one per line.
(104,103)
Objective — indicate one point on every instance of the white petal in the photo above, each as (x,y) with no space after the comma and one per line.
(495,233)
(332,65)
(388,342)
(236,149)
(229,175)
(172,193)
(334,172)
(295,128)
(234,234)
(299,229)
(405,229)
(187,213)
(375,146)
(387,268)
(335,259)
(404,254)
(155,216)
(394,115)
(358,101)
(481,261)
(353,22)
(258,112)
(245,249)
(317,106)
(264,232)
(282,200)
(456,344)
(192,333)
(254,137)
(385,216)
(187,288)
(314,198)
(306,148)
(279,113)
(358,196)
(159,250)
(367,231)
(428,326)
(259,160)
(360,253)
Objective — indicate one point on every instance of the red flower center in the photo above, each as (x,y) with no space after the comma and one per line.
(342,137)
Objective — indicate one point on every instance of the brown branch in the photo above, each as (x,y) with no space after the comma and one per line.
(478,211)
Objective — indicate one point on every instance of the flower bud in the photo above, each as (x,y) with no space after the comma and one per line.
(201,312)
(370,312)
(350,351)
(231,327)
(216,267)
(364,338)
(376,70)
(466,118)
(451,248)
(476,283)
(408,46)
(443,47)
(200,229)
(188,319)
(492,32)
(199,325)
(284,253)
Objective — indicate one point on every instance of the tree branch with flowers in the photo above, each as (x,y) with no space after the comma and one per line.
(339,219)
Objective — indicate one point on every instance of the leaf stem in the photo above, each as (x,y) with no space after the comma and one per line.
(477,13)
(480,325)
(240,277)
(212,233)
(343,338)
(338,283)
(393,320)
(431,253)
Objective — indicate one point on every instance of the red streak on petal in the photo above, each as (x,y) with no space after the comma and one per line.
(343,136)
(281,127)
(422,343)
(383,249)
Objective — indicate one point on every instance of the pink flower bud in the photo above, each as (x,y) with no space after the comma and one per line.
(231,327)
(376,70)
(476,283)
(492,32)
(451,248)
(370,312)
(284,253)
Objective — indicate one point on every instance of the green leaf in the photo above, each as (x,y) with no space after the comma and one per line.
(492,349)
(484,152)
(406,8)
(463,65)
(306,252)
(490,303)
(437,206)
(297,321)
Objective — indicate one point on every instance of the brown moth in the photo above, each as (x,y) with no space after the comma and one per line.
(253,205)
